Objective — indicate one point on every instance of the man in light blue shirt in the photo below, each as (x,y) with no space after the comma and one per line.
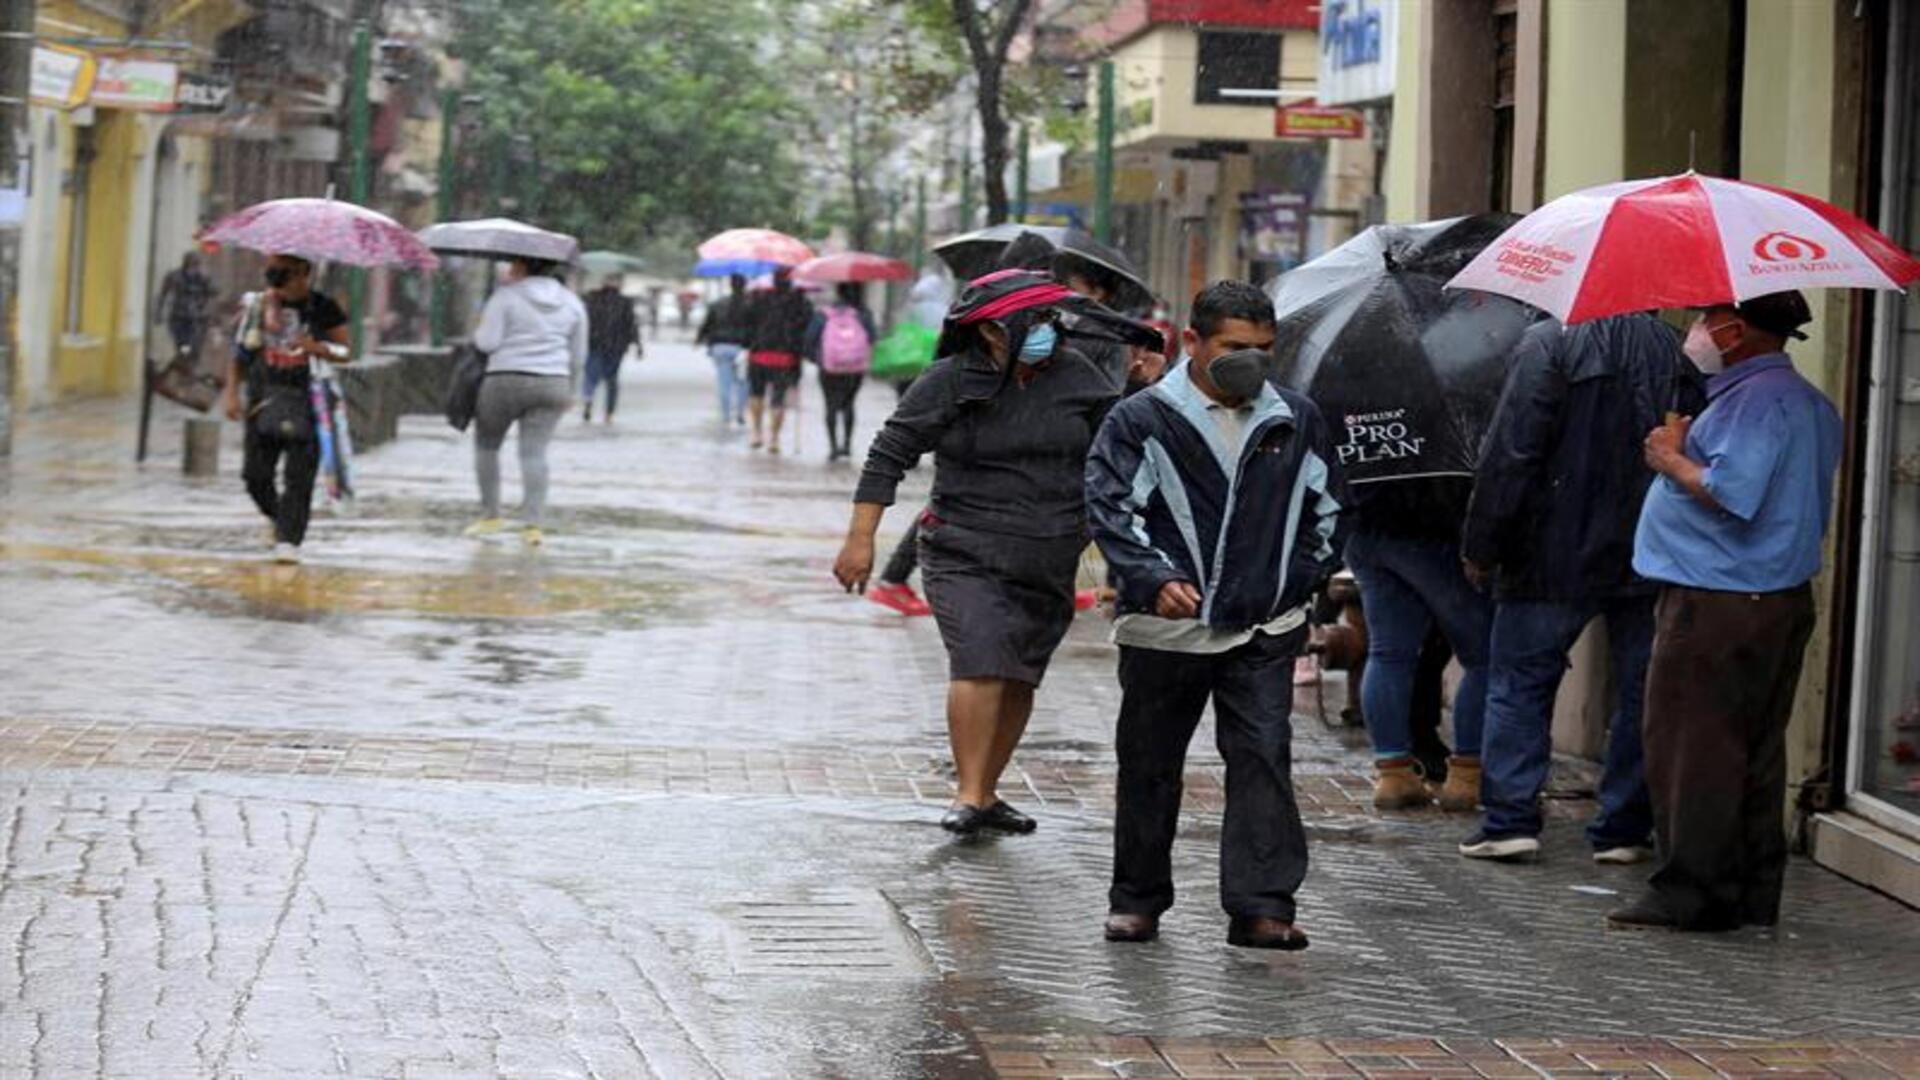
(1732,529)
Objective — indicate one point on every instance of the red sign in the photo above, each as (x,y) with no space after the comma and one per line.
(1251,14)
(1319,122)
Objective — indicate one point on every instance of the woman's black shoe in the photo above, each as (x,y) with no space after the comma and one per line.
(963,820)
(1001,816)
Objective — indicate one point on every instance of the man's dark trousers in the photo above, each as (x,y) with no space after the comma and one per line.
(288,509)
(1263,847)
(1719,695)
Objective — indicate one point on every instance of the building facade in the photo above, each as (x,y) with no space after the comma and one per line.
(148,121)
(1505,104)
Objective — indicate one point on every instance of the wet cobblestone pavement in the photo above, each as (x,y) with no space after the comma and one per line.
(656,800)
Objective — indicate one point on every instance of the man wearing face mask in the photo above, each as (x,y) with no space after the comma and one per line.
(1213,496)
(1732,530)
(1549,527)
(281,330)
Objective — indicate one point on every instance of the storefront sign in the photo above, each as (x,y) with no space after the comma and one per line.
(1273,227)
(1250,14)
(62,77)
(1357,50)
(143,85)
(1319,122)
(199,93)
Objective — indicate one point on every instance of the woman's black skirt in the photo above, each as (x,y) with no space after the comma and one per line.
(1002,602)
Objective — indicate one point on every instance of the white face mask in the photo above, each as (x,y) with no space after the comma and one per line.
(1701,349)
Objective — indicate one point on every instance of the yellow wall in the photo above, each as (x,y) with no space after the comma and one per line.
(1402,181)
(1160,67)
(1786,138)
(1585,140)
(93,361)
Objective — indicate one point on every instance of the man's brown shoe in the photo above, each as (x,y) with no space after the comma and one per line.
(1266,932)
(1124,927)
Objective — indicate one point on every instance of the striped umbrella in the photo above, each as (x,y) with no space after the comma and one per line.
(1681,241)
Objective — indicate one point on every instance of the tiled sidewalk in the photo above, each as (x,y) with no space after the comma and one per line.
(1223,1059)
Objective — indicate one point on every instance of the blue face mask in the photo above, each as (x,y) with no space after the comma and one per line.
(1040,343)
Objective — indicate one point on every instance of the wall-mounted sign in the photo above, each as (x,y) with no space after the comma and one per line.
(1319,122)
(1357,50)
(61,77)
(199,93)
(130,83)
(1273,227)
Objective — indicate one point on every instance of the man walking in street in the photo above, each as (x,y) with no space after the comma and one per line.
(611,330)
(724,331)
(185,294)
(1212,497)
(281,332)
(1732,530)
(1550,527)
(777,326)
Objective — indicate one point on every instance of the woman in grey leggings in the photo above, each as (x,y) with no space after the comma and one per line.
(534,332)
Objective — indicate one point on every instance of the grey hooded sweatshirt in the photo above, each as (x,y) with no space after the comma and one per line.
(535,326)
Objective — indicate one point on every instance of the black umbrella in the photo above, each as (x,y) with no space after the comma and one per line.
(973,254)
(1406,371)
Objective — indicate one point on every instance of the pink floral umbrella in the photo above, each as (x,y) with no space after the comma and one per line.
(852,266)
(323,230)
(756,245)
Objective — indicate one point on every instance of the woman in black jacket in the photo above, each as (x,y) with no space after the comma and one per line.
(1009,414)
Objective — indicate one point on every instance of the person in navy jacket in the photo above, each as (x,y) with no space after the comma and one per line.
(1214,497)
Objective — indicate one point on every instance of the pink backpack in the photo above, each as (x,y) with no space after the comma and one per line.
(844,346)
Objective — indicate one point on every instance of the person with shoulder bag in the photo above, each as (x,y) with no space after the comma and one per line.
(282,330)
(534,332)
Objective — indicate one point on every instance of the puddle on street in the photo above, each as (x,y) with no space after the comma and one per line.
(520,589)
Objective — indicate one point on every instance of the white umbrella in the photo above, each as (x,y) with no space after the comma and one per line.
(500,238)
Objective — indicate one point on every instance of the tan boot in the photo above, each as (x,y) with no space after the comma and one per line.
(1461,793)
(1398,786)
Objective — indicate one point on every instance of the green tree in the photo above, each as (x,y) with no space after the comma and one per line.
(626,121)
(988,28)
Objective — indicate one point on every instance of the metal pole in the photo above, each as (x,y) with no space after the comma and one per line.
(1103,159)
(445,202)
(1020,179)
(893,252)
(919,223)
(16,60)
(359,165)
(966,191)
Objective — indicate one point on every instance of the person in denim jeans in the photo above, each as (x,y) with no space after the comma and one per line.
(1555,501)
(724,333)
(1404,554)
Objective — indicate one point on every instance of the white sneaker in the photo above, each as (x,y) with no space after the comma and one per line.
(286,554)
(1500,848)
(1623,855)
(486,527)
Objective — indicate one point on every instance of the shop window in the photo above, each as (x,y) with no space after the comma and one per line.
(1887,748)
(1506,37)
(1237,61)
(78,183)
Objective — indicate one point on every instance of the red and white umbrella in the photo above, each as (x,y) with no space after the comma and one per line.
(756,245)
(1681,241)
(322,230)
(852,266)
